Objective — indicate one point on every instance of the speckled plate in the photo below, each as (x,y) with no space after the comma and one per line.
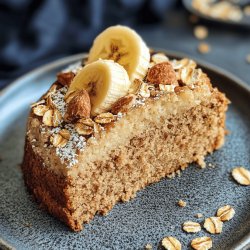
(244,22)
(153,214)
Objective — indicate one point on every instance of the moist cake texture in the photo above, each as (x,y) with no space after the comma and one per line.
(77,164)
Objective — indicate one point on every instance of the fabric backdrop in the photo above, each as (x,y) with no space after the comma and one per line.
(36,31)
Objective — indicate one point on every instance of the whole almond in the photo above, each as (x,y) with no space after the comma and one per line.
(162,73)
(123,104)
(65,78)
(79,106)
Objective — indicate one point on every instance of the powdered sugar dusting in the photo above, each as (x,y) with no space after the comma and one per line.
(76,142)
(58,100)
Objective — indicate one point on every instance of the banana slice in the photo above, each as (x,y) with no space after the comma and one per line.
(124,46)
(105,81)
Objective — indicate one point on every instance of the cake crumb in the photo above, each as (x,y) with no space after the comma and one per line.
(201,162)
(199,215)
(211,165)
(182,203)
(148,247)
(178,172)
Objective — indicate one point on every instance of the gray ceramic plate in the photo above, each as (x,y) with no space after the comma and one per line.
(149,217)
(244,22)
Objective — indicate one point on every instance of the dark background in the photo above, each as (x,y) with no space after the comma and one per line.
(33,32)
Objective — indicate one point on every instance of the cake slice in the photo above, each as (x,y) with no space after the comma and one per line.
(107,129)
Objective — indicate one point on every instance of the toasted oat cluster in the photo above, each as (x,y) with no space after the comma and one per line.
(66,115)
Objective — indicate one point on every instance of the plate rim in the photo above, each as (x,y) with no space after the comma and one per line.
(4,93)
(68,59)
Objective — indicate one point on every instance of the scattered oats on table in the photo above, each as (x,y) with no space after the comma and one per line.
(202,243)
(226,213)
(191,227)
(182,203)
(171,243)
(213,225)
(200,32)
(241,175)
(204,48)
(148,247)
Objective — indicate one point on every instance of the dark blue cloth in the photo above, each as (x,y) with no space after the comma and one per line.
(36,31)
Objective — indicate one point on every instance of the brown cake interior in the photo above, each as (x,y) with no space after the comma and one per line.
(168,142)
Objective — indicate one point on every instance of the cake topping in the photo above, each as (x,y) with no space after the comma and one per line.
(79,106)
(68,153)
(159,58)
(65,78)
(144,90)
(123,104)
(58,140)
(104,118)
(52,117)
(202,243)
(40,110)
(162,73)
(83,129)
(124,46)
(135,86)
(105,81)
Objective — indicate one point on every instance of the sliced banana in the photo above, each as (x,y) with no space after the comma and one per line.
(105,81)
(124,46)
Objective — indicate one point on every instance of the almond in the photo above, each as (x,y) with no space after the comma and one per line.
(162,73)
(123,104)
(79,106)
(65,78)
